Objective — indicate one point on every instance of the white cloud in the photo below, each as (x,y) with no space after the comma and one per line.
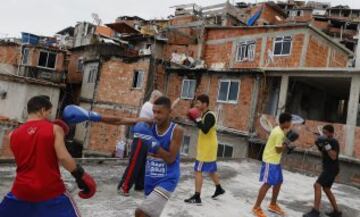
(46,17)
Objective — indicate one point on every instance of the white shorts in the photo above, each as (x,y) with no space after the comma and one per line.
(155,202)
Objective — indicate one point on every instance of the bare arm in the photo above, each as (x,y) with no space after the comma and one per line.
(280,149)
(61,152)
(7,139)
(123,121)
(170,156)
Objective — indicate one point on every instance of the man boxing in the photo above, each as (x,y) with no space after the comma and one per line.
(162,172)
(329,148)
(206,148)
(271,171)
(38,147)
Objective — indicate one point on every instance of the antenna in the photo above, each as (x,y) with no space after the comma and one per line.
(96,19)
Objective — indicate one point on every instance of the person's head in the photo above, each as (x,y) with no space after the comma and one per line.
(328,130)
(39,106)
(202,102)
(155,95)
(162,110)
(285,120)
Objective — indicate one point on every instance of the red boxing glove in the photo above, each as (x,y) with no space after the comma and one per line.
(194,114)
(85,182)
(63,125)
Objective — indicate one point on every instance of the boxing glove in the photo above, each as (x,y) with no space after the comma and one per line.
(85,182)
(63,125)
(291,136)
(142,130)
(194,114)
(75,114)
(323,143)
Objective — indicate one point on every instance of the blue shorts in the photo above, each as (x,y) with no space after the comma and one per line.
(271,174)
(62,206)
(205,167)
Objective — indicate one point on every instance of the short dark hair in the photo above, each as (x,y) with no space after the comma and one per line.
(329,128)
(163,101)
(37,103)
(203,98)
(285,117)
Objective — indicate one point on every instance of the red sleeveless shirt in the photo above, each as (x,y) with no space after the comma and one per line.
(37,175)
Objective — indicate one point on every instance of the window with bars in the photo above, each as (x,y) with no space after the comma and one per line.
(225,151)
(138,79)
(188,89)
(246,51)
(47,59)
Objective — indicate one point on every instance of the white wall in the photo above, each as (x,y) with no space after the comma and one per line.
(14,105)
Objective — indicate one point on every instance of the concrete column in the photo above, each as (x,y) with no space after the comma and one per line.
(352,113)
(283,94)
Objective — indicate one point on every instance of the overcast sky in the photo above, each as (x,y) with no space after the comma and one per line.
(46,17)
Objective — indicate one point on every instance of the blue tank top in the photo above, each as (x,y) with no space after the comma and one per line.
(158,173)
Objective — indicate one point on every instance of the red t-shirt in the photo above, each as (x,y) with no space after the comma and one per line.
(37,175)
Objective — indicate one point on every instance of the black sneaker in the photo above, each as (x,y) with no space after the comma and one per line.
(312,213)
(218,192)
(334,214)
(193,200)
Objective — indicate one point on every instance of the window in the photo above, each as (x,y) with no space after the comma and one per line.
(25,57)
(225,151)
(188,89)
(47,59)
(245,51)
(228,91)
(185,145)
(80,65)
(282,45)
(138,79)
(92,75)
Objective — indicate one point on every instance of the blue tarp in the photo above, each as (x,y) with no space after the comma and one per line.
(254,18)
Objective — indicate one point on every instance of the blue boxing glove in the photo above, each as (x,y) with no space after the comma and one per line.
(75,114)
(142,131)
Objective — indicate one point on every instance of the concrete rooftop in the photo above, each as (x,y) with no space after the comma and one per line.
(240,179)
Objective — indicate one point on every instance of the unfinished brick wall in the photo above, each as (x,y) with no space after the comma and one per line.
(268,16)
(317,53)
(218,54)
(104,137)
(338,59)
(229,115)
(357,144)
(116,79)
(9,54)
(183,36)
(74,75)
(5,151)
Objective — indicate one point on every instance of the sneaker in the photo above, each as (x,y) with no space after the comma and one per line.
(312,213)
(258,212)
(218,192)
(334,214)
(276,209)
(193,200)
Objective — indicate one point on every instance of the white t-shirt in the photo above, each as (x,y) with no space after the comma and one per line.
(146,110)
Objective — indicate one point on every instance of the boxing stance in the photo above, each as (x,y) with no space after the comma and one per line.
(38,147)
(207,146)
(329,148)
(162,170)
(271,171)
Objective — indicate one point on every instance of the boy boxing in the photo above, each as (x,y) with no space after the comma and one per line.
(206,148)
(38,147)
(271,171)
(329,148)
(162,170)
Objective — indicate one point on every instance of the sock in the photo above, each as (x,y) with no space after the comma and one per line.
(197,194)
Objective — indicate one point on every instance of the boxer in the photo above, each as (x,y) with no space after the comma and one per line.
(329,148)
(271,172)
(38,147)
(207,146)
(162,170)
